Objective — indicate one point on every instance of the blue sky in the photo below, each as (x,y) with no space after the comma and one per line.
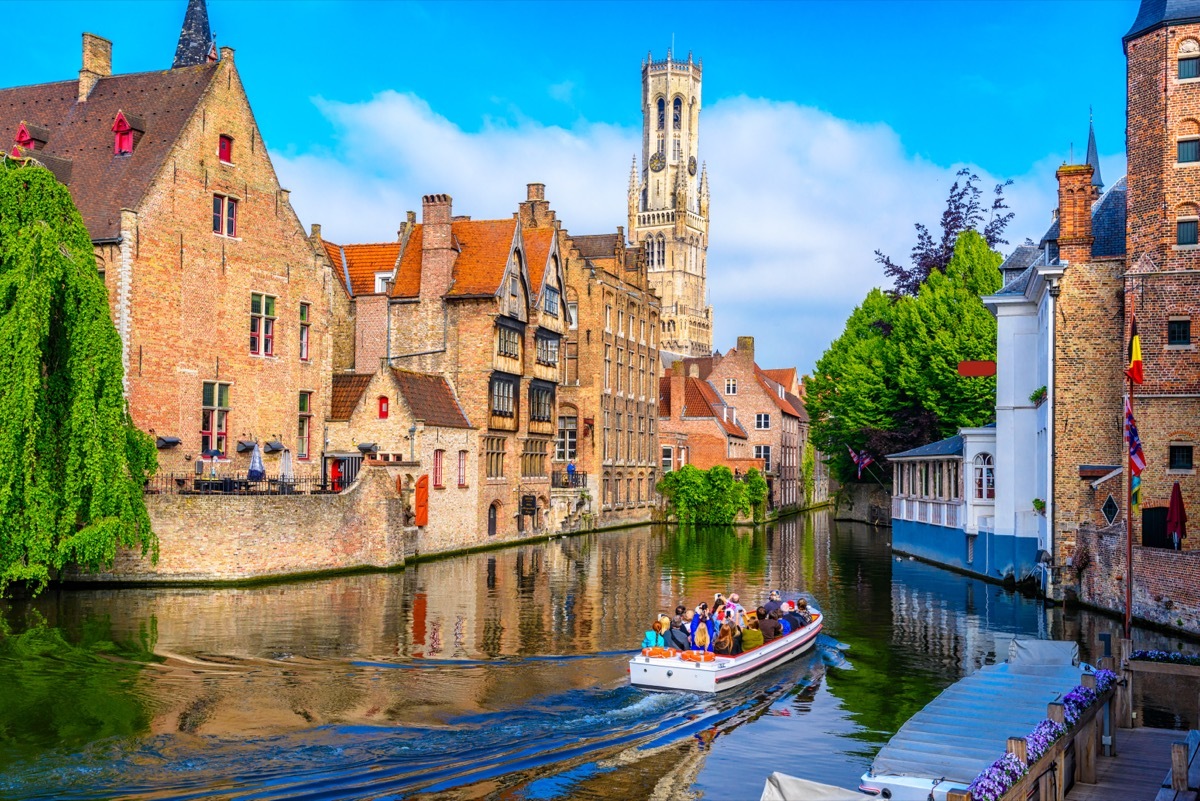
(829,128)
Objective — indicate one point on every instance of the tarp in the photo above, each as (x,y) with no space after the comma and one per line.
(781,787)
(967,727)
(1042,652)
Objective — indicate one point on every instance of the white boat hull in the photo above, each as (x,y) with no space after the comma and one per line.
(724,672)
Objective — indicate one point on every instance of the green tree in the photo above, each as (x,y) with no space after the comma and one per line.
(724,497)
(890,382)
(947,323)
(685,491)
(72,465)
(756,493)
(809,468)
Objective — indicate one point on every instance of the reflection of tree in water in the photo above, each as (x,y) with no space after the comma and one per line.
(716,551)
(63,688)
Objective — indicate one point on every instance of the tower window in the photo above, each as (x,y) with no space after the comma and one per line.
(677,114)
(1189,68)
(225,149)
(1185,232)
(662,113)
(1179,331)
(1188,150)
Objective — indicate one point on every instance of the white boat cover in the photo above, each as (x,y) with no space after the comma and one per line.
(967,727)
(781,787)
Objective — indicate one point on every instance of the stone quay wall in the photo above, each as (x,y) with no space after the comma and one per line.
(1165,589)
(240,537)
(864,503)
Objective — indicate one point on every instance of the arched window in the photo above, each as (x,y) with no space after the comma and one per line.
(123,136)
(985,477)
(649,244)
(1186,219)
(661,245)
(677,114)
(662,113)
(383,407)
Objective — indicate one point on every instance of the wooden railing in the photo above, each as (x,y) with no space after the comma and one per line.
(1093,733)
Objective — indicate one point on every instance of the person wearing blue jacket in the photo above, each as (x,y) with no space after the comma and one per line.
(654,637)
(702,632)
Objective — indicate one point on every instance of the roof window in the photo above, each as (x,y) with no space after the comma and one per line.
(127,129)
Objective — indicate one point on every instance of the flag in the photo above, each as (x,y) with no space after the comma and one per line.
(1134,371)
(1137,459)
(860,459)
(1135,494)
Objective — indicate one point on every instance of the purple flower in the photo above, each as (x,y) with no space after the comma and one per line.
(1038,741)
(1166,656)
(997,779)
(1104,680)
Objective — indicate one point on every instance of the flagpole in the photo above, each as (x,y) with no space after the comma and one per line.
(1129,507)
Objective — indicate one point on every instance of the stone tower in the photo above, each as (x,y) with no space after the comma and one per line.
(668,203)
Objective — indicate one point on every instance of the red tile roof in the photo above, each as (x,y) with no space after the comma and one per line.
(785,376)
(700,399)
(431,399)
(347,391)
(362,262)
(408,277)
(664,396)
(777,392)
(101,183)
(537,253)
(483,256)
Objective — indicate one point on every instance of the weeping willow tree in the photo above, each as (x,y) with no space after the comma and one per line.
(72,465)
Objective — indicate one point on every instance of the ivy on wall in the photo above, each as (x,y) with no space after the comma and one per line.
(713,496)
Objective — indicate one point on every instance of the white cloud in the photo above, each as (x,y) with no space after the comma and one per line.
(800,199)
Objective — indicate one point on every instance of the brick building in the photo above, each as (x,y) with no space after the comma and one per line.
(221,305)
(608,403)
(479,303)
(775,420)
(696,426)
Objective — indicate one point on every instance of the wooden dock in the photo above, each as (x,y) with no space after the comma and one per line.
(1136,773)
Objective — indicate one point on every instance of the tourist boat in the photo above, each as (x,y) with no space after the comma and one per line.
(668,669)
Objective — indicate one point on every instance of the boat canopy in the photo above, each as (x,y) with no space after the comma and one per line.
(966,728)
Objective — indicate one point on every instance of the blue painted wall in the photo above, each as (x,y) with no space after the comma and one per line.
(996,556)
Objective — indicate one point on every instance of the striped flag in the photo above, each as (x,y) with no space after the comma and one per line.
(1134,371)
(1137,459)
(1135,494)
(860,459)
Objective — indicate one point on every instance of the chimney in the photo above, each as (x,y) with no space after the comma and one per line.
(437,254)
(693,370)
(97,63)
(745,348)
(1076,193)
(316,232)
(535,191)
(535,211)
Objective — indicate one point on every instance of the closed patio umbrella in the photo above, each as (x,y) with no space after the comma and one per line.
(1176,518)
(285,465)
(257,471)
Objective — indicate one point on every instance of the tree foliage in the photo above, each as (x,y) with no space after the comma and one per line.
(707,497)
(72,465)
(890,382)
(965,211)
(756,493)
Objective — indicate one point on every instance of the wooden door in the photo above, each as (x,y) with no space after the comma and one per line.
(422,502)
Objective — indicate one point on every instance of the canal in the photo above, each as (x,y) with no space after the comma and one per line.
(499,674)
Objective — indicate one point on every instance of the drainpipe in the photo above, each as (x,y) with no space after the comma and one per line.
(412,442)
(1047,579)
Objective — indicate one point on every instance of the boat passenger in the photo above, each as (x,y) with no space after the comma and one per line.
(792,616)
(752,636)
(736,610)
(785,625)
(677,621)
(725,644)
(768,625)
(802,610)
(701,634)
(773,604)
(654,637)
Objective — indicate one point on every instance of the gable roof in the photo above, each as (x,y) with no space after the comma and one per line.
(484,246)
(538,243)
(359,263)
(785,376)
(597,246)
(431,399)
(951,446)
(348,389)
(700,399)
(777,392)
(100,182)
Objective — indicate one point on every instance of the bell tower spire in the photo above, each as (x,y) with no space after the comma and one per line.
(196,43)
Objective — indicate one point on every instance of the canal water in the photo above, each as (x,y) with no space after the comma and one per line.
(494,675)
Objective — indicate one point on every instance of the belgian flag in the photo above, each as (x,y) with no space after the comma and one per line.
(1134,371)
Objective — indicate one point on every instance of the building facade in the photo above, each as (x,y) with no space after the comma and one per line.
(668,203)
(697,427)
(481,304)
(221,305)
(608,408)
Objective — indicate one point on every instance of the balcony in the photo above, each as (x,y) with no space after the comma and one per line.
(561,479)
(934,511)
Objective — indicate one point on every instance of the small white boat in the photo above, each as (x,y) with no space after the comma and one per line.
(679,671)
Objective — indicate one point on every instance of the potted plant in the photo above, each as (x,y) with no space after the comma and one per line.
(1039,506)
(1038,396)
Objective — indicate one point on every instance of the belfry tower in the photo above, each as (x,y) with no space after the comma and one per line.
(668,203)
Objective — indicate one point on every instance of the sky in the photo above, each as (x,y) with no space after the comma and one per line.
(828,129)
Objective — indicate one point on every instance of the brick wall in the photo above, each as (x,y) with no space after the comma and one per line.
(227,537)
(1165,589)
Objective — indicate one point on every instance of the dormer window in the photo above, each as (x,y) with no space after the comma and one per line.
(30,137)
(225,149)
(381,282)
(122,136)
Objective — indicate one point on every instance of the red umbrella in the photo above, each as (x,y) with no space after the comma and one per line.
(1176,518)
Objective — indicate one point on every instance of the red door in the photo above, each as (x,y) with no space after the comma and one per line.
(422,504)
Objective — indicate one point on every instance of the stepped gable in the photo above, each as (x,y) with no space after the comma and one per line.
(597,246)
(79,143)
(348,389)
(431,399)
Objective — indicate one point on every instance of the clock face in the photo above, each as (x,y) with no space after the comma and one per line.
(657,162)
(692,166)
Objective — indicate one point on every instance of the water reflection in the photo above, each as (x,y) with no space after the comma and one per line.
(494,673)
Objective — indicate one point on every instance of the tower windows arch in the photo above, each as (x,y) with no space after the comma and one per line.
(1187,145)
(662,113)
(661,246)
(677,114)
